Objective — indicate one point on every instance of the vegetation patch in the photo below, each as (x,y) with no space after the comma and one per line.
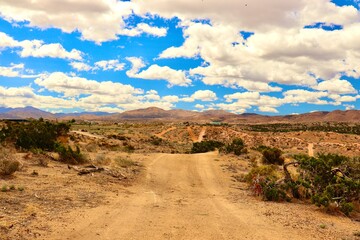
(328,180)
(206,146)
(271,155)
(237,146)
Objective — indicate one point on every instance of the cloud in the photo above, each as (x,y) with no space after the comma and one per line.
(80,66)
(245,15)
(17,70)
(151,30)
(204,95)
(336,86)
(199,106)
(171,98)
(37,48)
(280,50)
(304,96)
(110,65)
(76,86)
(85,94)
(25,96)
(104,65)
(156,72)
(12,71)
(137,64)
(268,109)
(98,21)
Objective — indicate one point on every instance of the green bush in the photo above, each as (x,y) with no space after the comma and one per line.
(331,178)
(273,192)
(68,155)
(156,140)
(237,146)
(272,155)
(206,146)
(36,134)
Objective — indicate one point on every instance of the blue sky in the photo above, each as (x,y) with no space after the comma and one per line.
(274,57)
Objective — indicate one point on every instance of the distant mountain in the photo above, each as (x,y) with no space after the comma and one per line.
(24,113)
(158,114)
(146,113)
(31,112)
(82,113)
(4,110)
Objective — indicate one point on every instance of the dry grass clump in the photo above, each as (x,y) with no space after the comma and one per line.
(8,165)
(125,162)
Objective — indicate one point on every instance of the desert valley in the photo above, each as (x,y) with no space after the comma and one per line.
(150,175)
(180,120)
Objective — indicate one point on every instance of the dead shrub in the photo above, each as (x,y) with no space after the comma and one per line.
(91,147)
(8,165)
(101,159)
(43,161)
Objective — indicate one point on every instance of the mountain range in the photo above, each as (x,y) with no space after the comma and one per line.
(158,114)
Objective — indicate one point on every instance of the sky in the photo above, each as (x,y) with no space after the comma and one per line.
(271,57)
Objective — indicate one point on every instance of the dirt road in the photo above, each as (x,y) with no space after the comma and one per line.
(189,197)
(88,134)
(311,149)
(160,135)
(202,134)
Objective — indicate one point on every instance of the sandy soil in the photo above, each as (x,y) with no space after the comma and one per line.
(193,197)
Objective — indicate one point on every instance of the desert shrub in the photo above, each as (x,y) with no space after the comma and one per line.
(43,161)
(237,146)
(125,162)
(331,178)
(272,155)
(68,155)
(36,134)
(8,165)
(155,140)
(101,159)
(265,171)
(273,191)
(206,146)
(262,180)
(91,147)
(129,148)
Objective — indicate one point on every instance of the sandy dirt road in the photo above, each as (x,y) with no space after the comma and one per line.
(88,134)
(160,135)
(202,134)
(184,197)
(311,149)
